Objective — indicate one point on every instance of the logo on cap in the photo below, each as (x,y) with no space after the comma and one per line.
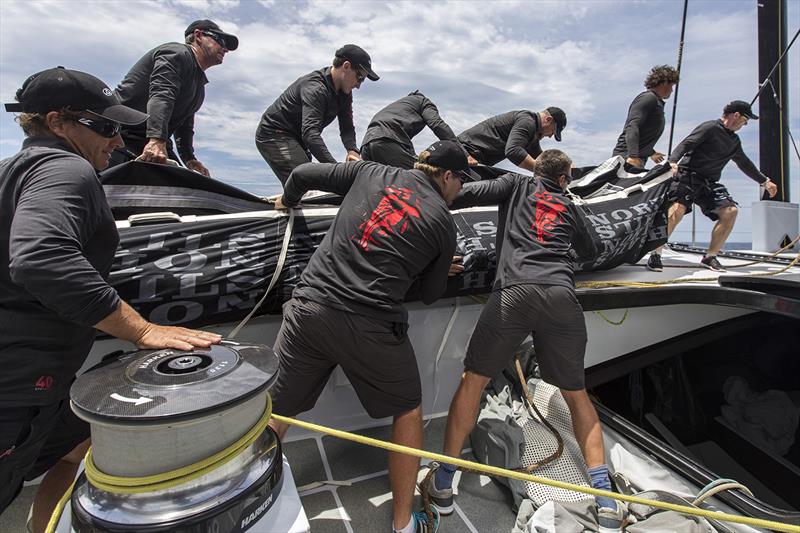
(106,91)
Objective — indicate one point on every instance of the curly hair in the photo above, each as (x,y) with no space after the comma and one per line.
(661,74)
(35,124)
(552,163)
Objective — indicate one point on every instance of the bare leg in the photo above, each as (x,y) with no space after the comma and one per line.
(463,412)
(722,229)
(407,431)
(54,485)
(586,426)
(674,216)
(278,427)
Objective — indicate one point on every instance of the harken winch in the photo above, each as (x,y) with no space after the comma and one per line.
(179,440)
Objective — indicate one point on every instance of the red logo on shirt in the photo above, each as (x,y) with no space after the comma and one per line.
(548,214)
(393,213)
(44,383)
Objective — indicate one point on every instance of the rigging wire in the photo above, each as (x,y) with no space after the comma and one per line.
(677,85)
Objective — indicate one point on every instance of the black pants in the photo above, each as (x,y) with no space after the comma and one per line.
(388,152)
(282,152)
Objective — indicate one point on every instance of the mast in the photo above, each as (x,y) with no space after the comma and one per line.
(773,97)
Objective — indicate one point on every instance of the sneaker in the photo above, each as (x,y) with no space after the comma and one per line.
(422,524)
(654,263)
(441,499)
(711,262)
(610,519)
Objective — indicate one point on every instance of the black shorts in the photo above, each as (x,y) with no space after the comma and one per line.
(282,152)
(375,355)
(388,152)
(32,440)
(688,188)
(554,318)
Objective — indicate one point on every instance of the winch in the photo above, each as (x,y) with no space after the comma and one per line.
(179,441)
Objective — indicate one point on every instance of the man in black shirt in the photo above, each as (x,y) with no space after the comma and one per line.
(699,160)
(514,136)
(534,293)
(645,122)
(393,227)
(57,244)
(389,134)
(168,83)
(290,131)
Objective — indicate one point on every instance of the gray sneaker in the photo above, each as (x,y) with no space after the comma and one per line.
(711,262)
(441,499)
(611,519)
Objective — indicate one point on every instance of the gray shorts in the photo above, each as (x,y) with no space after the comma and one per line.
(375,355)
(554,318)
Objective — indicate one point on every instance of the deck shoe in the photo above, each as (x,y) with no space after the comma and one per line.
(654,263)
(422,524)
(609,519)
(711,262)
(441,499)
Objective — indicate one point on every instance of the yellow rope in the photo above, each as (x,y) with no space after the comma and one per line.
(612,322)
(495,471)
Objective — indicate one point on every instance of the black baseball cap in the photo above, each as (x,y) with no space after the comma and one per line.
(560,119)
(59,88)
(450,155)
(355,54)
(231,41)
(742,107)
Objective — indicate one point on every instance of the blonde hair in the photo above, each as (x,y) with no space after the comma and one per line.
(431,171)
(35,124)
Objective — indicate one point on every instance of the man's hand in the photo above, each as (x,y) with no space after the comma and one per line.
(156,337)
(352,155)
(674,167)
(634,162)
(155,151)
(197,166)
(472,161)
(279,205)
(657,157)
(456,267)
(772,189)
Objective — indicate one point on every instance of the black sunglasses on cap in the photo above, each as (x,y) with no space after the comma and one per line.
(104,128)
(217,38)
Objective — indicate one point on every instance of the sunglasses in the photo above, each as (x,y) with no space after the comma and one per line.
(217,38)
(462,176)
(102,127)
(361,74)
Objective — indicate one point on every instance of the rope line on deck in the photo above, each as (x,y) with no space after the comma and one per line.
(503,472)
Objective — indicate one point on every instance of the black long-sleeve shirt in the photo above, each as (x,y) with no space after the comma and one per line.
(57,244)
(401,120)
(708,149)
(168,84)
(643,127)
(513,136)
(393,227)
(305,108)
(537,225)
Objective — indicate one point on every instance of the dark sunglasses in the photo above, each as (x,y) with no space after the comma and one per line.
(361,74)
(462,176)
(104,128)
(217,38)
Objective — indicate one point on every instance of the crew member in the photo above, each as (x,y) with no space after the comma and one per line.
(57,244)
(290,131)
(699,160)
(393,228)
(168,82)
(389,134)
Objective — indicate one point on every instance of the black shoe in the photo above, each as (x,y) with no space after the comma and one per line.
(654,263)
(711,262)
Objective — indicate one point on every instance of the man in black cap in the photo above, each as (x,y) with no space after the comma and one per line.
(57,244)
(533,294)
(645,122)
(389,134)
(699,160)
(393,228)
(290,131)
(168,83)
(514,136)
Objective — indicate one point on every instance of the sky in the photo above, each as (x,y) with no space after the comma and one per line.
(473,59)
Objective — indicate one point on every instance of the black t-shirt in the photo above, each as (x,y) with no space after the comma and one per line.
(168,84)
(57,245)
(537,225)
(708,149)
(513,136)
(305,108)
(643,127)
(401,120)
(392,228)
